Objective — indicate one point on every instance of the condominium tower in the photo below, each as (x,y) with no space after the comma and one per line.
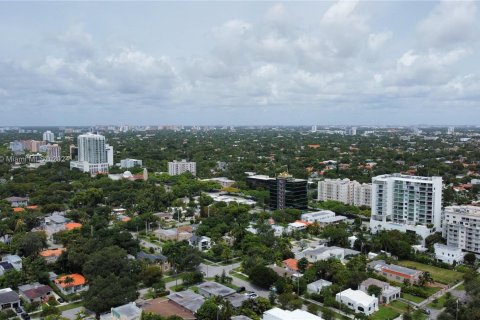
(462,227)
(92,154)
(345,191)
(178,167)
(48,136)
(406,203)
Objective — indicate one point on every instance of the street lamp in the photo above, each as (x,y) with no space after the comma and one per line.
(218,310)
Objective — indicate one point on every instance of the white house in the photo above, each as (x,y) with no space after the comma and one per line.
(14,260)
(296,226)
(448,254)
(203,243)
(358,301)
(279,314)
(317,286)
(389,293)
(317,216)
(321,253)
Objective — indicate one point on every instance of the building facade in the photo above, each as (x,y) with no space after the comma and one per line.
(54,152)
(288,192)
(48,136)
(462,227)
(358,301)
(345,191)
(178,167)
(130,163)
(407,203)
(92,154)
(448,254)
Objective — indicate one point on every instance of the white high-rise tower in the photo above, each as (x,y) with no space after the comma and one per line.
(48,136)
(92,154)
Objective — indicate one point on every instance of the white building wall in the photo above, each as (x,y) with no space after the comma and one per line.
(179,167)
(462,227)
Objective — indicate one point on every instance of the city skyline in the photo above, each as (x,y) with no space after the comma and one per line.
(234,63)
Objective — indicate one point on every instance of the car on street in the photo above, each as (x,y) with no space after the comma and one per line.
(251,295)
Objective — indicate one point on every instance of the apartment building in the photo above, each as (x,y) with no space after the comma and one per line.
(462,227)
(406,203)
(178,167)
(345,191)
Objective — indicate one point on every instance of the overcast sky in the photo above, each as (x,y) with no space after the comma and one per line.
(382,62)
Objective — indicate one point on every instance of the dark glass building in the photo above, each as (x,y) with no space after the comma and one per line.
(287,192)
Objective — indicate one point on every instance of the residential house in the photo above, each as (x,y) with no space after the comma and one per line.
(35,292)
(279,314)
(290,264)
(9,299)
(358,301)
(297,226)
(317,286)
(389,292)
(156,258)
(395,273)
(448,254)
(187,299)
(5,266)
(71,283)
(183,304)
(202,243)
(14,260)
(72,225)
(214,289)
(321,253)
(172,234)
(16,202)
(128,311)
(54,223)
(51,255)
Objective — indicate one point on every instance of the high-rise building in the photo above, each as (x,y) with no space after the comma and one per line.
(407,203)
(451,130)
(178,167)
(462,227)
(109,150)
(288,192)
(48,136)
(73,152)
(345,191)
(130,163)
(314,128)
(92,154)
(352,131)
(54,152)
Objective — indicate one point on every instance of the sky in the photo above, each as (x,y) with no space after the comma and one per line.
(240,63)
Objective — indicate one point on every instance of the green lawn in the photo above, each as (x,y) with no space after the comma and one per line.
(384,313)
(409,297)
(238,275)
(439,305)
(398,306)
(444,276)
(71,306)
(460,287)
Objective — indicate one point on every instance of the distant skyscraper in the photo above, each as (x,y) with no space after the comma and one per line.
(314,128)
(48,136)
(73,152)
(92,154)
(451,130)
(351,131)
(407,203)
(109,150)
(179,167)
(130,163)
(54,152)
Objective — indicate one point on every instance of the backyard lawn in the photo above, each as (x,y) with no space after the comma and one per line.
(439,305)
(444,276)
(384,313)
(409,297)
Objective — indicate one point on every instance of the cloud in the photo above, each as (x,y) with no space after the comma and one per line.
(451,23)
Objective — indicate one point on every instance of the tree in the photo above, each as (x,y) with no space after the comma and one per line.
(215,308)
(302,264)
(263,276)
(375,290)
(151,274)
(30,243)
(425,278)
(470,259)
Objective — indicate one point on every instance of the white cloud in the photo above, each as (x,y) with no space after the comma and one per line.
(376,40)
(450,23)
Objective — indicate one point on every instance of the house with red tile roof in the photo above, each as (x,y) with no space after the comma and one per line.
(71,283)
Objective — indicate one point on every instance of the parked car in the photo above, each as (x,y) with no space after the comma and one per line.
(60,300)
(18,310)
(25,316)
(251,295)
(241,289)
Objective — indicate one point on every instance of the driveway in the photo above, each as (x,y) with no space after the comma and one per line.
(72,313)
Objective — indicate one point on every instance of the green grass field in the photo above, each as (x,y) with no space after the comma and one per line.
(384,313)
(444,276)
(398,306)
(439,305)
(409,297)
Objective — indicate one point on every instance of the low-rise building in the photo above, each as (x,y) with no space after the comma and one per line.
(51,255)
(172,234)
(130,163)
(224,182)
(16,202)
(128,311)
(35,292)
(321,253)
(202,243)
(14,260)
(394,272)
(389,292)
(280,314)
(358,301)
(9,298)
(290,264)
(155,258)
(448,254)
(187,299)
(317,286)
(71,283)
(214,289)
